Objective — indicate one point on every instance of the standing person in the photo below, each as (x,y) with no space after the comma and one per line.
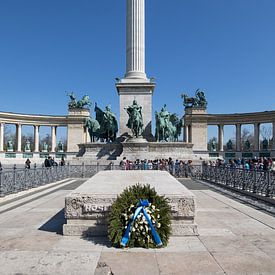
(47,162)
(28,164)
(62,162)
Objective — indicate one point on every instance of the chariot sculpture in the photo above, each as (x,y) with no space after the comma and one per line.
(82,103)
(199,101)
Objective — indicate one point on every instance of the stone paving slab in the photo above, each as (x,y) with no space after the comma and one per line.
(234,239)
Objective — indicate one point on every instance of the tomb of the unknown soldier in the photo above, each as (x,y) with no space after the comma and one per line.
(147,190)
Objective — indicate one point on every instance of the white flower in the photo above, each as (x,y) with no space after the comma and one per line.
(141,227)
(153,207)
(158,216)
(133,229)
(158,225)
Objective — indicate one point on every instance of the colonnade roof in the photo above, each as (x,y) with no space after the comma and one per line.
(232,119)
(33,119)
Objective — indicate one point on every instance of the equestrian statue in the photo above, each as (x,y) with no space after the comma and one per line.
(135,121)
(168,126)
(104,128)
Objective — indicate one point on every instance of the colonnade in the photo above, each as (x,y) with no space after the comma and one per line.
(187,130)
(36,137)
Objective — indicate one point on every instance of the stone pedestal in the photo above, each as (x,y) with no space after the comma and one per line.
(87,207)
(94,151)
(134,149)
(196,124)
(157,150)
(76,133)
(142,92)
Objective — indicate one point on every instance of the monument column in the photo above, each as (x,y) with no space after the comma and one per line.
(238,137)
(135,39)
(53,139)
(221,134)
(19,137)
(36,138)
(2,126)
(135,84)
(256,136)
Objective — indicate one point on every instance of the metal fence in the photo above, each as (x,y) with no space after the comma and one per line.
(19,179)
(250,181)
(254,182)
(16,180)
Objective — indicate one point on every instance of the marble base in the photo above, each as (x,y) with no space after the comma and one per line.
(87,207)
(134,148)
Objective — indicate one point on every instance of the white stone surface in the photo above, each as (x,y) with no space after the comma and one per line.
(235,239)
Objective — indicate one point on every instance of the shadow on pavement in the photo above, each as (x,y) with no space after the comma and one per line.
(55,223)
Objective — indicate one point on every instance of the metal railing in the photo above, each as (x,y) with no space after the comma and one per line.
(16,180)
(251,181)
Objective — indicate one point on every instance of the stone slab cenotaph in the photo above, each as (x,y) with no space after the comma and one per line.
(87,207)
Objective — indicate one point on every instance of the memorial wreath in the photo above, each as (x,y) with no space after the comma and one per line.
(139,218)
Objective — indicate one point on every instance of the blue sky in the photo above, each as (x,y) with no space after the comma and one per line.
(226,48)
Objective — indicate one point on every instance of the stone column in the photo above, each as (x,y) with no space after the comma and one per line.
(256,136)
(273,135)
(221,134)
(135,40)
(238,137)
(2,127)
(87,135)
(186,133)
(190,134)
(19,137)
(53,138)
(36,138)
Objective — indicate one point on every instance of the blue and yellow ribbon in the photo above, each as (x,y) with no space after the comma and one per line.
(141,207)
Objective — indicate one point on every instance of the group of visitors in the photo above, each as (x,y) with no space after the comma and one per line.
(259,164)
(179,168)
(50,162)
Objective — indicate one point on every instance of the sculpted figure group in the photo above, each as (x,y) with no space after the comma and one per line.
(105,127)
(199,101)
(168,126)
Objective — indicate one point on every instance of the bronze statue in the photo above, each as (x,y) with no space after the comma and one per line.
(104,127)
(199,101)
(74,103)
(168,126)
(135,121)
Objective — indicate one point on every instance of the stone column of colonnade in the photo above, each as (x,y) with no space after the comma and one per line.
(36,138)
(53,139)
(2,126)
(186,134)
(221,135)
(238,137)
(19,137)
(257,136)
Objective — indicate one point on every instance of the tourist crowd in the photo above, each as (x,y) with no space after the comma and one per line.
(258,164)
(178,168)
